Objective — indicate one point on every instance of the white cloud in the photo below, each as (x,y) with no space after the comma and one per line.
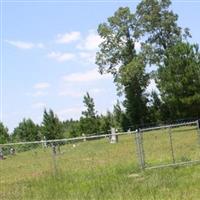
(88,57)
(79,94)
(40,45)
(39,105)
(61,57)
(68,37)
(37,94)
(92,75)
(73,112)
(42,85)
(70,93)
(21,44)
(40,89)
(24,45)
(90,42)
(96,91)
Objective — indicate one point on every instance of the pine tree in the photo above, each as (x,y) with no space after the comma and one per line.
(51,126)
(89,122)
(4,136)
(90,107)
(27,130)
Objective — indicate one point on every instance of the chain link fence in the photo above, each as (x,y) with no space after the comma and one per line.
(24,161)
(169,145)
(155,147)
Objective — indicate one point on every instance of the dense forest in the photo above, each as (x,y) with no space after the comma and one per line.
(165,48)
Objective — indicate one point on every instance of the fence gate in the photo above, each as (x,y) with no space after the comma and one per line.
(171,145)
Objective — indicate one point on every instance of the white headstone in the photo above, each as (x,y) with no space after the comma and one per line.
(84,137)
(113,138)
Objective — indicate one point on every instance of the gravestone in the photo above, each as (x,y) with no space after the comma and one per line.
(114,136)
(84,137)
(12,151)
(1,154)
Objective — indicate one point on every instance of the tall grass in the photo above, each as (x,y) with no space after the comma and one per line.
(99,170)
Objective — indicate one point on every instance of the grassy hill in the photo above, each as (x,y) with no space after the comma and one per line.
(100,170)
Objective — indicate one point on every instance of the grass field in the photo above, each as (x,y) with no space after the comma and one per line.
(99,170)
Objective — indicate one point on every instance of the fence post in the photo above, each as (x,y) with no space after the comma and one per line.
(1,153)
(198,130)
(171,145)
(84,137)
(54,159)
(142,148)
(139,148)
(44,142)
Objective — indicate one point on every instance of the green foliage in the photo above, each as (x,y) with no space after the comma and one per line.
(51,126)
(118,56)
(4,137)
(71,128)
(106,122)
(121,120)
(117,114)
(90,107)
(89,126)
(155,108)
(154,25)
(163,44)
(179,80)
(89,123)
(118,47)
(135,81)
(99,170)
(158,24)
(26,131)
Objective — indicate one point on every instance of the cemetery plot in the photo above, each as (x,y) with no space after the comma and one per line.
(171,145)
(158,151)
(31,161)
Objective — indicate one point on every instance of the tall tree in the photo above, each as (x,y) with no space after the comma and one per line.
(156,111)
(117,114)
(158,26)
(4,136)
(71,128)
(120,118)
(89,122)
(179,80)
(27,130)
(159,31)
(106,122)
(135,81)
(51,126)
(118,56)
(119,36)
(90,107)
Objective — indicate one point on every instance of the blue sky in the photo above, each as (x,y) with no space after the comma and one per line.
(48,56)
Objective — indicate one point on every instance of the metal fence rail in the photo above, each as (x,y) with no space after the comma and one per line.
(173,145)
(36,157)
(67,139)
(169,126)
(156,147)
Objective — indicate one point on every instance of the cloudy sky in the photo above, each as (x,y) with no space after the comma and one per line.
(48,56)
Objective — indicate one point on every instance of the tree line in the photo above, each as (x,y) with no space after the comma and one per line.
(90,123)
(137,47)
